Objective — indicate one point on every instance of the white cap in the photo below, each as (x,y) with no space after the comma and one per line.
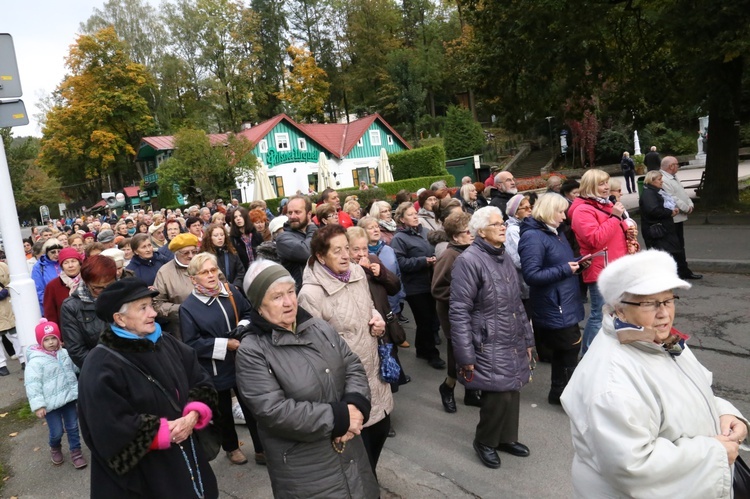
(643,273)
(277,223)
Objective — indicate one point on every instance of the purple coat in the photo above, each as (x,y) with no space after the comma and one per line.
(489,327)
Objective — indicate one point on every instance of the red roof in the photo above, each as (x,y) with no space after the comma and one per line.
(100,204)
(166,142)
(131,192)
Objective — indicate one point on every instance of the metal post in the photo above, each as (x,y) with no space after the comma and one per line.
(23,291)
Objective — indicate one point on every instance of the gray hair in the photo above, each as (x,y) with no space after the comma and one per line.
(198,260)
(440,184)
(376,207)
(481,218)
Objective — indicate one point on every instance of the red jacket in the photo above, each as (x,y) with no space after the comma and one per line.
(596,228)
(54,295)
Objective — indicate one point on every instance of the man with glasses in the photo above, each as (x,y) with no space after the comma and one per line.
(505,188)
(673,187)
(173,282)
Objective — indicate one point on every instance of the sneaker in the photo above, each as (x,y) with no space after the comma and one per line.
(76,456)
(14,357)
(57,455)
(236,457)
(4,371)
(239,418)
(402,319)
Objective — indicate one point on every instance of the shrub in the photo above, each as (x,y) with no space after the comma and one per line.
(463,136)
(610,146)
(669,141)
(745,135)
(422,162)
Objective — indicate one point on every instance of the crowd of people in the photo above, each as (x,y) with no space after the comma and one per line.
(166,318)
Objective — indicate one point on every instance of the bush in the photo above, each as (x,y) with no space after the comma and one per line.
(745,135)
(610,146)
(669,141)
(463,136)
(422,162)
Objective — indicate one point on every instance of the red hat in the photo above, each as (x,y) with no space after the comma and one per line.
(89,234)
(69,253)
(47,328)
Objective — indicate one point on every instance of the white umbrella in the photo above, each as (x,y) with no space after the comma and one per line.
(263,188)
(384,168)
(324,176)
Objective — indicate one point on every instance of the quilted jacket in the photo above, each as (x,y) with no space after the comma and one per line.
(50,381)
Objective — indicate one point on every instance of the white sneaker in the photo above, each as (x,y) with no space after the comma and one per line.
(239,418)
(14,357)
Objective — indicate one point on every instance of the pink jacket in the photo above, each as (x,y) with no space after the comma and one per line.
(596,228)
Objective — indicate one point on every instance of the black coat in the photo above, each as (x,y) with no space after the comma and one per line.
(652,160)
(412,249)
(255,240)
(500,200)
(120,410)
(652,210)
(231,266)
(79,325)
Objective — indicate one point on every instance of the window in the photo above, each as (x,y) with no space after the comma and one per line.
(389,139)
(278,183)
(312,182)
(301,144)
(282,141)
(375,137)
(263,146)
(360,143)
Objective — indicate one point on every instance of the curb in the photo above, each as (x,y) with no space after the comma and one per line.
(720,266)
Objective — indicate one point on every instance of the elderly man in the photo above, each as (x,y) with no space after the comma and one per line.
(173,282)
(673,187)
(554,184)
(505,188)
(652,160)
(107,238)
(293,245)
(206,216)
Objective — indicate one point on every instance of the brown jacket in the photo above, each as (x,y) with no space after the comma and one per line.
(7,319)
(174,286)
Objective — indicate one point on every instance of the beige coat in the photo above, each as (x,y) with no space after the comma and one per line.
(349,308)
(7,319)
(174,286)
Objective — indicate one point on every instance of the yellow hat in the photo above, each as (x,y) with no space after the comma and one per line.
(183,241)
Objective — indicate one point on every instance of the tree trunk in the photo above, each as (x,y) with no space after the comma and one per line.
(722,161)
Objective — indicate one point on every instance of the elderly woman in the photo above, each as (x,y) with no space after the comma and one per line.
(469,201)
(46,269)
(657,210)
(141,395)
(337,292)
(598,225)
(427,214)
(353,209)
(550,268)
(243,236)
(492,337)
(416,257)
(327,214)
(457,230)
(644,419)
(64,285)
(215,242)
(517,209)
(145,262)
(309,426)
(381,211)
(207,319)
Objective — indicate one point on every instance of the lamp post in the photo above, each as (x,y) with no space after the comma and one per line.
(551,143)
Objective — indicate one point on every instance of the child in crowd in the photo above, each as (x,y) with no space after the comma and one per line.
(52,390)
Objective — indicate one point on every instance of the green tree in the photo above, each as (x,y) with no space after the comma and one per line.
(270,32)
(463,136)
(214,169)
(98,118)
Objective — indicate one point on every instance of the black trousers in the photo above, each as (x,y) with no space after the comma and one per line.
(629,180)
(423,308)
(681,257)
(374,438)
(225,420)
(450,359)
(498,418)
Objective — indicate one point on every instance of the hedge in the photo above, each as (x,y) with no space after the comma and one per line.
(416,163)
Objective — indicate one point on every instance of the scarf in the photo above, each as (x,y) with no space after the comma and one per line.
(390,226)
(343,277)
(248,240)
(601,200)
(669,202)
(71,282)
(153,337)
(83,293)
(375,249)
(40,348)
(211,293)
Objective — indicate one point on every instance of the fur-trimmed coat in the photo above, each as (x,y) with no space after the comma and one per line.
(120,411)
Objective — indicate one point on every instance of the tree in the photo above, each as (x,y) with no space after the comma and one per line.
(270,31)
(306,86)
(463,136)
(214,169)
(99,116)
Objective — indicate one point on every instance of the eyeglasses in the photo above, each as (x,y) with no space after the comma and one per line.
(496,225)
(332,215)
(211,271)
(652,306)
(54,251)
(95,288)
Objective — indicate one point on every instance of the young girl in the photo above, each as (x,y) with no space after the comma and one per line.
(52,390)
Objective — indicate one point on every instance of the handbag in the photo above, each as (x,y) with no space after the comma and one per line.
(657,231)
(390,370)
(394,329)
(209,438)
(741,479)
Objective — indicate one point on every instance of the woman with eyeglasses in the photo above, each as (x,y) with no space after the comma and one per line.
(643,416)
(491,335)
(381,211)
(327,214)
(550,269)
(46,269)
(210,321)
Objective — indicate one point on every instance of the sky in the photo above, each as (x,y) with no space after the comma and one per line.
(42,31)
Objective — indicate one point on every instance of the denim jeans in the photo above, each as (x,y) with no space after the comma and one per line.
(67,417)
(595,318)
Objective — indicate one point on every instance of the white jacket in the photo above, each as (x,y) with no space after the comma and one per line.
(643,423)
(673,187)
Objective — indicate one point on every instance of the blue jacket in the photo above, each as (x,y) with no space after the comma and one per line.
(205,324)
(146,270)
(50,381)
(44,271)
(555,298)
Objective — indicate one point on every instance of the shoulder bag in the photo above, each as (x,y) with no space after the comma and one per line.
(657,231)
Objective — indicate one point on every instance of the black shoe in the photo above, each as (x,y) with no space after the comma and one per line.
(405,380)
(448,398)
(514,448)
(436,363)
(4,371)
(402,319)
(391,432)
(473,398)
(438,341)
(692,275)
(487,455)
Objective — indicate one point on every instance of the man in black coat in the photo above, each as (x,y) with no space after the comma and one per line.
(293,244)
(505,188)
(652,160)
